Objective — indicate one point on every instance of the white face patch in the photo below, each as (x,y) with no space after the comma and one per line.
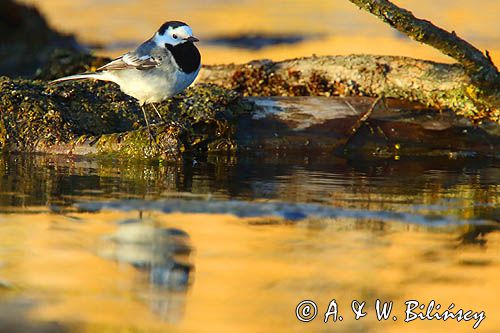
(173,36)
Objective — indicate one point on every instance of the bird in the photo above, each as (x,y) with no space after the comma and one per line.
(159,68)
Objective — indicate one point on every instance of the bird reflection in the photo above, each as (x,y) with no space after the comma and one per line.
(162,254)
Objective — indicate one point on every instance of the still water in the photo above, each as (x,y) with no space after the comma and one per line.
(233,244)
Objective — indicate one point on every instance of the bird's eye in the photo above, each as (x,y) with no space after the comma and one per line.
(174,36)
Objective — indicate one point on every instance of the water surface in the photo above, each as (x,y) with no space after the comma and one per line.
(235,243)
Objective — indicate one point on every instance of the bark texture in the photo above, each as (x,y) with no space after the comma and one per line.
(440,86)
(332,124)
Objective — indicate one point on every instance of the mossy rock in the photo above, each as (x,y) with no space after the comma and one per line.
(99,118)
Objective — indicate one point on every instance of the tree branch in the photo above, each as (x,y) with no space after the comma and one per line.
(478,65)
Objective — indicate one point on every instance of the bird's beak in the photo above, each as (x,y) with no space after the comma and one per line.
(192,39)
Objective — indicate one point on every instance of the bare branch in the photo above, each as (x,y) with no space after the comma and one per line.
(478,65)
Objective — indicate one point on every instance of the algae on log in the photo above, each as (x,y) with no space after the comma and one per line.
(437,85)
(97,118)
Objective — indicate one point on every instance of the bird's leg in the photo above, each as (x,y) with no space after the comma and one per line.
(157,112)
(171,122)
(151,136)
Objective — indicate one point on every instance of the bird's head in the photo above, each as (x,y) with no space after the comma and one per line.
(174,33)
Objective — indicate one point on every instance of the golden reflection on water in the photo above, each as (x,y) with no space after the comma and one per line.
(249,274)
(344,28)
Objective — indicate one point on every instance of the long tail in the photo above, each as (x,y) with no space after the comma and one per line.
(83,76)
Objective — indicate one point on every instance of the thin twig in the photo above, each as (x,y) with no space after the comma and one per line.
(370,110)
(350,106)
(361,120)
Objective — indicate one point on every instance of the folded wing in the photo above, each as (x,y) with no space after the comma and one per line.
(131,60)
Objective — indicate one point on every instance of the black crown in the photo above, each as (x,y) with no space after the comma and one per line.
(170,24)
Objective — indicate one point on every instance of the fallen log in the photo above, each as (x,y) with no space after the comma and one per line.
(330,124)
(96,119)
(436,85)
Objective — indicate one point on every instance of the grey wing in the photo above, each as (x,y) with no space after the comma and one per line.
(132,60)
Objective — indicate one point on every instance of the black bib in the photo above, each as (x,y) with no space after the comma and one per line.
(186,56)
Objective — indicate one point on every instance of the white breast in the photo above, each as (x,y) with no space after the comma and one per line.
(152,85)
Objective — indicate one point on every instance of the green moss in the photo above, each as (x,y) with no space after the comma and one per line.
(96,115)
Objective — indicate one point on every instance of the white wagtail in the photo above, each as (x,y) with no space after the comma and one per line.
(159,68)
